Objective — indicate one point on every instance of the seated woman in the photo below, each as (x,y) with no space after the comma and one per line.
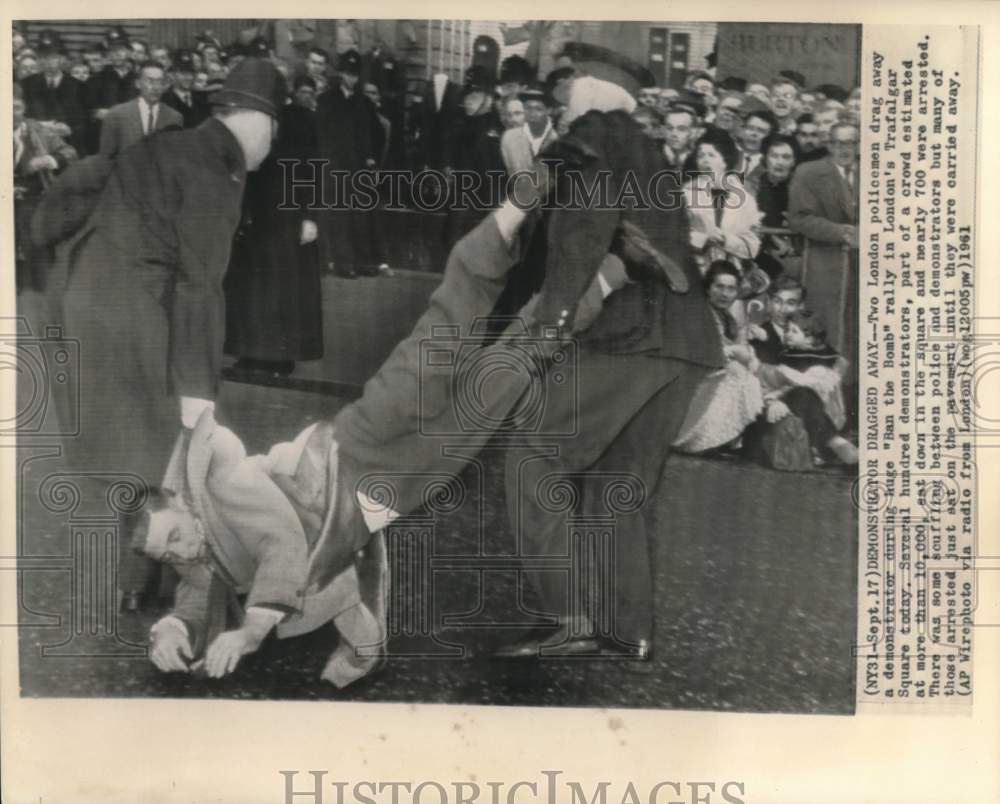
(730,399)
(768,184)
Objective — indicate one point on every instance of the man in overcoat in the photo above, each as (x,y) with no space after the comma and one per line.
(350,139)
(139,283)
(54,95)
(273,294)
(823,206)
(639,361)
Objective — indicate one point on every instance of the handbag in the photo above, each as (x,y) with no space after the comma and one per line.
(784,445)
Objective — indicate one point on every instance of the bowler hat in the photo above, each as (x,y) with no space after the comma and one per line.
(515,70)
(349,62)
(689,101)
(795,77)
(754,105)
(253,84)
(734,84)
(534,93)
(833,92)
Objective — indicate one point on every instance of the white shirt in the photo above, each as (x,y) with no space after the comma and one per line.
(848,177)
(19,133)
(148,122)
(440,82)
(535,143)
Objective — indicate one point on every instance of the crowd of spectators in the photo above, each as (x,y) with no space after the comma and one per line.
(767,169)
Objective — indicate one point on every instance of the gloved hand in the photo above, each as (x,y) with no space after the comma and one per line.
(308,233)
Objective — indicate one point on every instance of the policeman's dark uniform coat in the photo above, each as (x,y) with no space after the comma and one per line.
(143,295)
(273,296)
(472,145)
(348,135)
(139,284)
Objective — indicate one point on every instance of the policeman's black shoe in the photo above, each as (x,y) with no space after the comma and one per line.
(572,638)
(549,649)
(641,651)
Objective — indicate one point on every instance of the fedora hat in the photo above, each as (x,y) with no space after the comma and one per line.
(253,84)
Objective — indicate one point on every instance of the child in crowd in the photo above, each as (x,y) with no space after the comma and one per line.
(806,380)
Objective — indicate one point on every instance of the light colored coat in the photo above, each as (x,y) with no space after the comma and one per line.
(515,148)
(740,216)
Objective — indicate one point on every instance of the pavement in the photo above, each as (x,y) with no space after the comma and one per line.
(754,577)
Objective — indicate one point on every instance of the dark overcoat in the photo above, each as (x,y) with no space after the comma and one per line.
(348,135)
(273,296)
(193,114)
(67,103)
(139,287)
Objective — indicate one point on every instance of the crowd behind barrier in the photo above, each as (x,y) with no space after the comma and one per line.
(767,171)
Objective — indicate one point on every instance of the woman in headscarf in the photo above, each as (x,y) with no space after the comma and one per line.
(729,399)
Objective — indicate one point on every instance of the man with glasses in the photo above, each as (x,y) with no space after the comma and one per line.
(785,103)
(129,122)
(823,206)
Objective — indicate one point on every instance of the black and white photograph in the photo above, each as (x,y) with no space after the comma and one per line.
(499,410)
(438,361)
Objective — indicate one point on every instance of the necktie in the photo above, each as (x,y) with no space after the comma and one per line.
(150,119)
(719,203)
